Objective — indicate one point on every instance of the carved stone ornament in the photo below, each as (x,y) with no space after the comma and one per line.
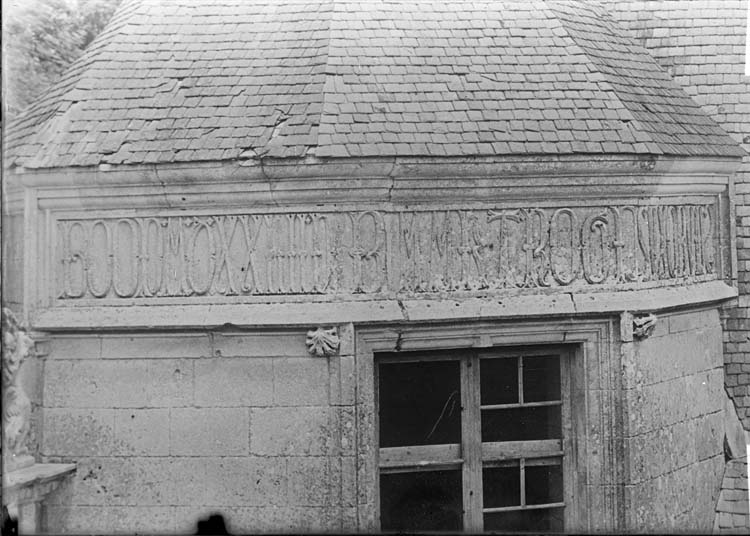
(17,346)
(644,325)
(323,342)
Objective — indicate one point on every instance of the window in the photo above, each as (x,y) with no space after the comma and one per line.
(474,440)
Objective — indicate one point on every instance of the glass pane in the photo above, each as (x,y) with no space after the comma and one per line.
(420,403)
(499,380)
(501,486)
(521,424)
(544,484)
(429,500)
(539,520)
(541,378)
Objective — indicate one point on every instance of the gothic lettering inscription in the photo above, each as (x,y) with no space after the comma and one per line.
(373,251)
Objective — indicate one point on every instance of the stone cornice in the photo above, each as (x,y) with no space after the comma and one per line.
(380,312)
(372,168)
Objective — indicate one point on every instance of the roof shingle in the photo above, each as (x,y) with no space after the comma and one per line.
(181,80)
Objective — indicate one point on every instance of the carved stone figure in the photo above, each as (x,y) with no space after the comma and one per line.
(17,345)
(323,342)
(643,325)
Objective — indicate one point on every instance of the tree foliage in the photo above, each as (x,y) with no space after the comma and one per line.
(41,38)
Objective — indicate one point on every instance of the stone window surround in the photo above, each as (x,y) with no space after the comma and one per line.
(597,416)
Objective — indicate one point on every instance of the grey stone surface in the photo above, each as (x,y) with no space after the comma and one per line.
(229,481)
(208,431)
(119,383)
(293,431)
(77,432)
(142,432)
(300,381)
(242,381)
(160,346)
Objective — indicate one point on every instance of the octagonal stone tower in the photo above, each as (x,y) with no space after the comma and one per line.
(328,265)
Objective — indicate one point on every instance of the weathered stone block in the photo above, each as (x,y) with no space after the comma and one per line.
(283,344)
(178,345)
(229,481)
(661,451)
(227,381)
(133,481)
(74,347)
(348,481)
(348,381)
(301,431)
(692,321)
(109,519)
(665,358)
(209,431)
(309,481)
(661,404)
(119,383)
(659,504)
(709,435)
(348,426)
(78,432)
(300,381)
(142,432)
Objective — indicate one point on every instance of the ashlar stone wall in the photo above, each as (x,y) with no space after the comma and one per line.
(674,428)
(168,428)
(702,45)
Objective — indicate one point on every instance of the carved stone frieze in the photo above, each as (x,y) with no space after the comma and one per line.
(376,251)
(17,346)
(323,342)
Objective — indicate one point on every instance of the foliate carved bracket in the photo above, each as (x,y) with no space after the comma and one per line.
(16,347)
(643,325)
(323,342)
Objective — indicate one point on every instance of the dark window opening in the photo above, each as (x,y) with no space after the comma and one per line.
(472,441)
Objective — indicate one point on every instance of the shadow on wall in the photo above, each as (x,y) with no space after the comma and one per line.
(211,525)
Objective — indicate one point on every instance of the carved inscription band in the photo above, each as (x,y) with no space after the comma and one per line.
(376,251)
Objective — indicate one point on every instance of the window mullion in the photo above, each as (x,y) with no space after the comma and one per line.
(471,439)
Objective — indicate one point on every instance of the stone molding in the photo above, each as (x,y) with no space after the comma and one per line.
(375,167)
(464,307)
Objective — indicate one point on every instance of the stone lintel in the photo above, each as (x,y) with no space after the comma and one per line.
(383,311)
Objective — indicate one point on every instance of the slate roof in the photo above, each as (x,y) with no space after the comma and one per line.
(732,507)
(190,80)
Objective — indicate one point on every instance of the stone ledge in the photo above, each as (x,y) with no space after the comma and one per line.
(35,475)
(384,311)
(25,489)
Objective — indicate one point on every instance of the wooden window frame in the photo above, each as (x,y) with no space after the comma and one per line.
(472,455)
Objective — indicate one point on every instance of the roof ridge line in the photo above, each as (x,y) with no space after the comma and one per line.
(597,75)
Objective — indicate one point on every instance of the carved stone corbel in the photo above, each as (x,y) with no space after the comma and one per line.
(17,346)
(323,342)
(643,325)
